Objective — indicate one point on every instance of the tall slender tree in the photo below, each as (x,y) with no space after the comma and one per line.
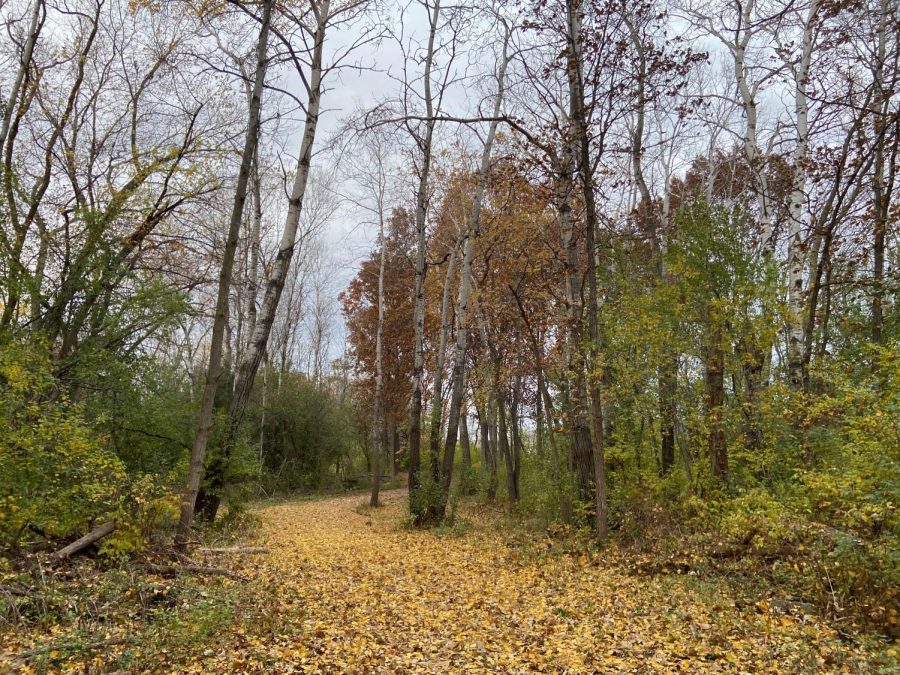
(214,367)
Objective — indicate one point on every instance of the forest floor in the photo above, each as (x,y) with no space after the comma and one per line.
(349,589)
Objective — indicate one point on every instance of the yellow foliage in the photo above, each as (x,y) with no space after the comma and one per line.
(361,593)
(347,589)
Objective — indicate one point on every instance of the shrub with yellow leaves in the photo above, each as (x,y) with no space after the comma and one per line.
(56,477)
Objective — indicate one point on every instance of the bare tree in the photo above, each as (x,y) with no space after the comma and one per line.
(214,368)
(312,24)
(424,141)
(457,378)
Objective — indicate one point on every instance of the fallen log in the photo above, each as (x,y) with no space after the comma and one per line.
(235,549)
(12,590)
(175,570)
(22,657)
(79,544)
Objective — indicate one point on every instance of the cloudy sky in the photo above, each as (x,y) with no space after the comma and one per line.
(367,78)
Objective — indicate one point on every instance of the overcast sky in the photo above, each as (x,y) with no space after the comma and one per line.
(347,235)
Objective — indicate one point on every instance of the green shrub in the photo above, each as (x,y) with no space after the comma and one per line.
(56,474)
(145,508)
(307,432)
(427,501)
(757,520)
(544,490)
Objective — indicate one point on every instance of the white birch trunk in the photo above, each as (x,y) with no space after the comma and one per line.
(415,415)
(378,446)
(796,206)
(275,283)
(214,368)
(437,389)
(247,369)
(755,158)
(465,282)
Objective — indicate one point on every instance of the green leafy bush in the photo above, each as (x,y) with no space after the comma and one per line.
(427,502)
(544,490)
(56,476)
(759,521)
(145,508)
(307,433)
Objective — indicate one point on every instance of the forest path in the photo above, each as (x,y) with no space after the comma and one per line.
(363,593)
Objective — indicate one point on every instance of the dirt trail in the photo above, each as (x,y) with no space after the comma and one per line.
(364,594)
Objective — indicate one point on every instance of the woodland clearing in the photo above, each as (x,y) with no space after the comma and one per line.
(347,588)
(614,285)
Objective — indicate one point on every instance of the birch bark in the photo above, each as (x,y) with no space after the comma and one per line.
(214,367)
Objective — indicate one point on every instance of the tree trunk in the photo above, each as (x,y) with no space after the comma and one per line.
(484,436)
(517,449)
(667,379)
(715,397)
(878,248)
(17,274)
(796,207)
(667,412)
(378,431)
(544,401)
(249,366)
(465,282)
(512,482)
(16,107)
(752,365)
(214,368)
(34,30)
(884,169)
(755,158)
(464,442)
(491,451)
(262,416)
(395,449)
(415,410)
(436,412)
(255,246)
(82,543)
(539,431)
(577,113)
(580,450)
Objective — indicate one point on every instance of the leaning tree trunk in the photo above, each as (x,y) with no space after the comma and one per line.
(255,246)
(249,365)
(214,368)
(17,276)
(17,105)
(34,30)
